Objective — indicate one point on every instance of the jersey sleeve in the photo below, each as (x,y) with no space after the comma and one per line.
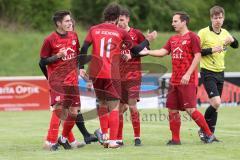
(228,34)
(140,36)
(167,46)
(46,49)
(195,43)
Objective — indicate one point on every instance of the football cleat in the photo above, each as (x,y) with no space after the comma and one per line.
(90,138)
(137,142)
(172,142)
(201,135)
(98,134)
(65,145)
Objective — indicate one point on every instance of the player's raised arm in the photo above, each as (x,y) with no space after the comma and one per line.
(232,41)
(138,48)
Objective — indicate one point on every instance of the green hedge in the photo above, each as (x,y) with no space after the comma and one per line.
(31,13)
(146,14)
(157,14)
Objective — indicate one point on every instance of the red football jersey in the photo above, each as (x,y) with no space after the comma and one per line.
(132,68)
(51,46)
(182,49)
(107,40)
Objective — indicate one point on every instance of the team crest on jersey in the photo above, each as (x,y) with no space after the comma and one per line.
(133,38)
(74,42)
(184,42)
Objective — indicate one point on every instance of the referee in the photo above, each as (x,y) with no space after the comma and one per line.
(214,43)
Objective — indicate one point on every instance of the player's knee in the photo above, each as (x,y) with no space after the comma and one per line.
(123,108)
(173,111)
(216,103)
(132,102)
(102,102)
(73,111)
(190,110)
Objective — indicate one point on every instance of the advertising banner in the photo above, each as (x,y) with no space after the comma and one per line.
(23,93)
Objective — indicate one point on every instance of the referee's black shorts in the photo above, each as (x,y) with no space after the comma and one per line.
(213,82)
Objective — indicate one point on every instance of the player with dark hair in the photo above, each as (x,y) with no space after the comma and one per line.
(108,40)
(214,42)
(131,80)
(60,48)
(184,48)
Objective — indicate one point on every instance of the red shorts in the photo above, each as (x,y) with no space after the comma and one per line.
(130,90)
(107,89)
(63,99)
(181,97)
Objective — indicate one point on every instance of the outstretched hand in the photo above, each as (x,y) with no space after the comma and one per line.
(228,40)
(144,52)
(126,57)
(151,36)
(217,49)
(62,52)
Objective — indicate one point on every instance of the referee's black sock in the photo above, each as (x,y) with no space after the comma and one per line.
(211,117)
(214,121)
(81,125)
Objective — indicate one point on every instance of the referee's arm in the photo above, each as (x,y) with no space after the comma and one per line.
(234,44)
(208,51)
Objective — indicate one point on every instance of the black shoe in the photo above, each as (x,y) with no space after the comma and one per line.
(98,134)
(201,135)
(65,145)
(210,139)
(55,147)
(137,142)
(120,143)
(171,142)
(90,138)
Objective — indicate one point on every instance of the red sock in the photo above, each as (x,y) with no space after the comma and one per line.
(120,127)
(71,137)
(175,124)
(103,118)
(135,122)
(113,124)
(53,128)
(201,122)
(67,126)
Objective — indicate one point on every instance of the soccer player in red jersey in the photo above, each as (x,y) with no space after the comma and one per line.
(108,40)
(131,80)
(184,48)
(55,121)
(60,48)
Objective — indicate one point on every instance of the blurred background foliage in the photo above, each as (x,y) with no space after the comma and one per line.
(146,14)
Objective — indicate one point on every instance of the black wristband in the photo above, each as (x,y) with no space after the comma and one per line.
(206,51)
(136,49)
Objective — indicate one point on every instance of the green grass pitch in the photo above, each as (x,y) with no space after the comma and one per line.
(22,135)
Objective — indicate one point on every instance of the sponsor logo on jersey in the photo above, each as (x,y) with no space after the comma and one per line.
(184,42)
(74,42)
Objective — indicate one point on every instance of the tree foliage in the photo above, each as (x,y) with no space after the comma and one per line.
(146,14)
(30,13)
